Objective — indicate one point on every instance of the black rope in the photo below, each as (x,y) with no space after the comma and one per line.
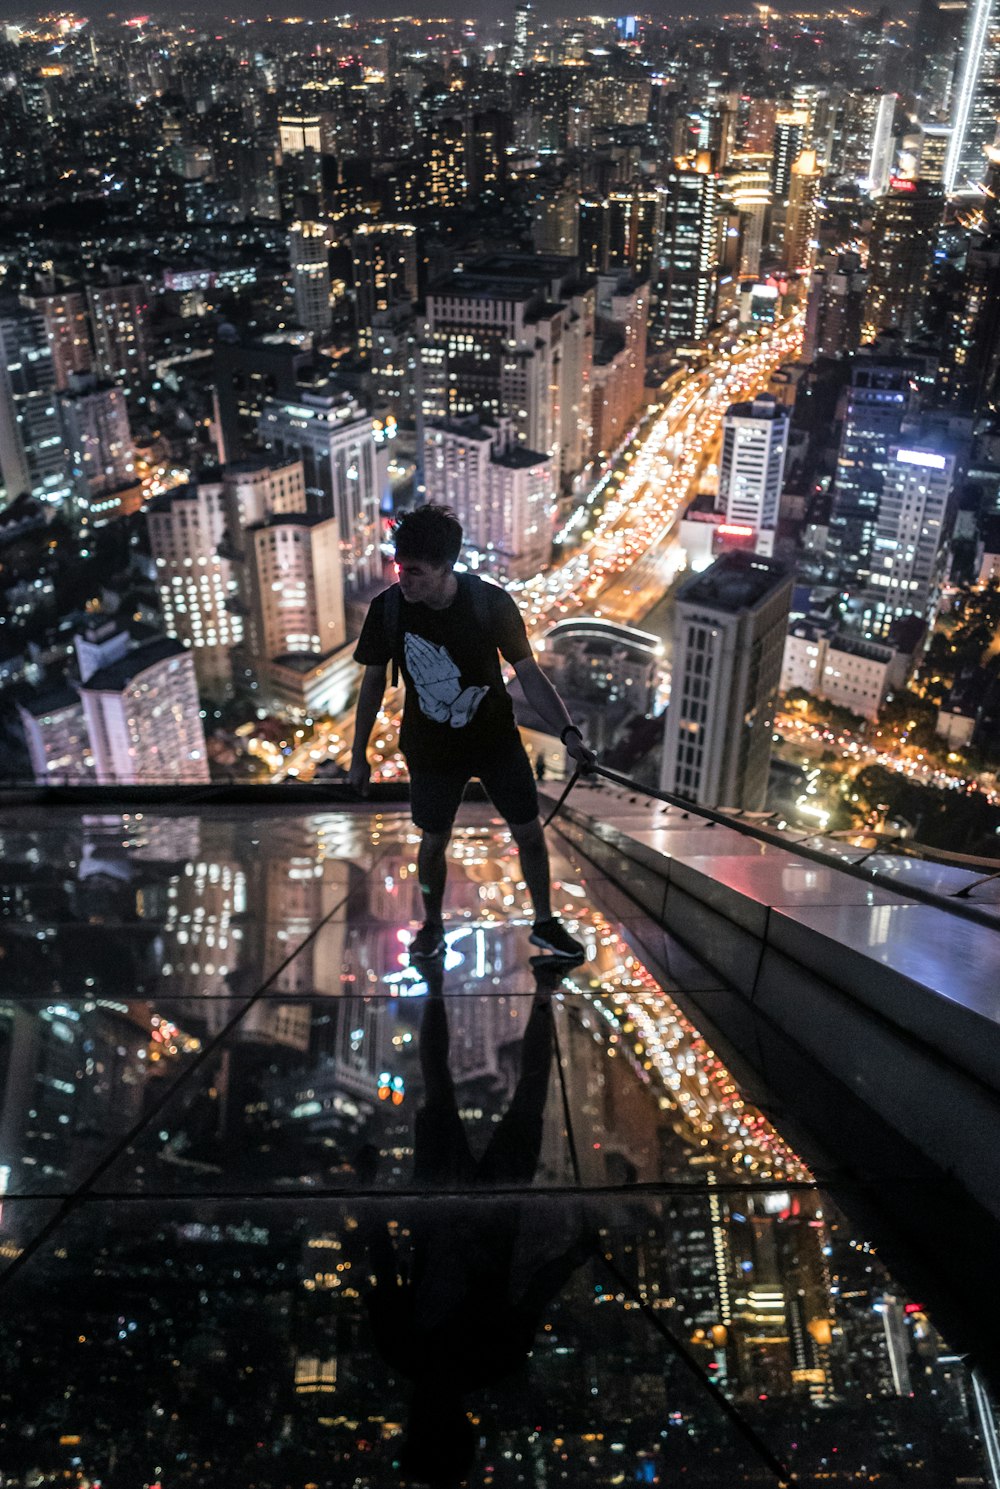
(559,804)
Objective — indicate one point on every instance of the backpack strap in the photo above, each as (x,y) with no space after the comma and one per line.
(392,619)
(480,592)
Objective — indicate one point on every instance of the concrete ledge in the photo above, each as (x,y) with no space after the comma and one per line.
(899,1001)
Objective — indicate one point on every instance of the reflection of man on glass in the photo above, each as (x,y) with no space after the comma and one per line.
(446,633)
(457,1307)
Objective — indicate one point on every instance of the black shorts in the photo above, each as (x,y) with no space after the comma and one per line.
(435,795)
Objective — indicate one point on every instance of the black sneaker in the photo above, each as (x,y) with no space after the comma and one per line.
(553,936)
(428,942)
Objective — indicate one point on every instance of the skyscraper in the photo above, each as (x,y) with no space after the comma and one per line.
(754,445)
(883,145)
(511,335)
(502,492)
(197,584)
(619,368)
(790,140)
(33,456)
(619,231)
(910,550)
(99,443)
(296,610)
(899,259)
(143,717)
(65,317)
(119,315)
(310,260)
(881,395)
(686,274)
(330,432)
(745,190)
(977,98)
(384,257)
(729,637)
(447,163)
(835,309)
(522,35)
(55,729)
(799,246)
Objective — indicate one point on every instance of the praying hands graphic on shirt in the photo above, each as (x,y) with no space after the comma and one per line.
(439,684)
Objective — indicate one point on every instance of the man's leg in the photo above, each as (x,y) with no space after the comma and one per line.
(534,854)
(434,800)
(432,870)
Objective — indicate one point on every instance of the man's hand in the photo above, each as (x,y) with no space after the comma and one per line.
(585,757)
(359,775)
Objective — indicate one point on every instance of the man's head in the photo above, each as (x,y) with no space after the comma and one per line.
(427,540)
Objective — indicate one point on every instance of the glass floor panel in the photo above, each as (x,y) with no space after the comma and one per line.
(311,1215)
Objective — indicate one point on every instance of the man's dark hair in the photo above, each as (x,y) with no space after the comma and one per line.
(429,534)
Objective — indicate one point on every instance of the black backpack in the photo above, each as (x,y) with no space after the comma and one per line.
(480,591)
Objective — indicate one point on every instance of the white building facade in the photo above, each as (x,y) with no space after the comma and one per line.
(502,493)
(752,467)
(198,586)
(345,471)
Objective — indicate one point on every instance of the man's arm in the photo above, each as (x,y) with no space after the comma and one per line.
(369,702)
(551,709)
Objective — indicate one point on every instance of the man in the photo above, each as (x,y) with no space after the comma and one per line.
(458,721)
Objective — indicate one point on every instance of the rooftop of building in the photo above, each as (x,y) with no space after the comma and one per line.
(764,406)
(254,1153)
(52,698)
(117,675)
(736,581)
(287,519)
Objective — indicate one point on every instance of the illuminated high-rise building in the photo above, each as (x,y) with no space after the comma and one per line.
(745,191)
(502,493)
(308,247)
(619,231)
(299,130)
(99,442)
(970,360)
(555,224)
(685,284)
(143,717)
(447,163)
(752,466)
(883,145)
(511,335)
(729,637)
(835,308)
(119,315)
(33,455)
(519,52)
(68,331)
(296,625)
(910,550)
(881,396)
(900,256)
(197,584)
(799,246)
(384,257)
(345,469)
(976,103)
(619,368)
(790,126)
(934,143)
(55,731)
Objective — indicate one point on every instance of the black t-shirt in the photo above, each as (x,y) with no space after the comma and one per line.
(457,709)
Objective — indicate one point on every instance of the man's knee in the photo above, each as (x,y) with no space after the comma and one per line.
(527,833)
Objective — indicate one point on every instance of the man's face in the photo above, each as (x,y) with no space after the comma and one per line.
(422,582)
